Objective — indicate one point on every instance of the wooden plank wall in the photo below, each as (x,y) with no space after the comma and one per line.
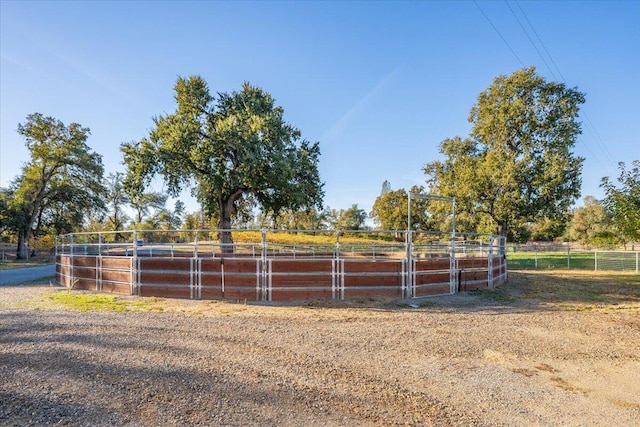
(280,279)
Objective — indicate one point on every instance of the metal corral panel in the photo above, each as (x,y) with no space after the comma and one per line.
(473,262)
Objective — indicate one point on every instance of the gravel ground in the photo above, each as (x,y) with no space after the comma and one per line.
(466,360)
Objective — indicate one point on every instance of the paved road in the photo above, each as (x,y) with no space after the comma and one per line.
(25,275)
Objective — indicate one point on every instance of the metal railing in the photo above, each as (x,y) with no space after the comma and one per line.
(267,245)
(541,258)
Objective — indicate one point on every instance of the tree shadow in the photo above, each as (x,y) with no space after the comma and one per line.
(57,371)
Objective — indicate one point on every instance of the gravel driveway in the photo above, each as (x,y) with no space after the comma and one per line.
(457,361)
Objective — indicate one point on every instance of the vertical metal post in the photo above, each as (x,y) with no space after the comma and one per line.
(263,265)
(595,255)
(408,249)
(637,262)
(341,279)
(568,257)
(409,256)
(452,262)
(199,262)
(195,245)
(490,264)
(71,261)
(134,265)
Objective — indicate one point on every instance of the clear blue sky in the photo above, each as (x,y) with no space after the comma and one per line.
(379,84)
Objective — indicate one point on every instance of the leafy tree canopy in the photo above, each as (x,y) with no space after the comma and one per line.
(517,164)
(347,219)
(390,210)
(623,202)
(227,149)
(62,182)
(590,224)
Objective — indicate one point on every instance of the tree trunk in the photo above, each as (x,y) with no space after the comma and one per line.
(503,229)
(226,240)
(23,239)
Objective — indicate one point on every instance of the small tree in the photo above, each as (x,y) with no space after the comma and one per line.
(390,210)
(623,203)
(117,199)
(142,203)
(590,224)
(347,219)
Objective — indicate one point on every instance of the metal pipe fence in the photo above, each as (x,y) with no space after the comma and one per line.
(556,258)
(416,254)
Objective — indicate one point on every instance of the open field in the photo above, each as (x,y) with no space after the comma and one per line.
(548,348)
(625,261)
(8,259)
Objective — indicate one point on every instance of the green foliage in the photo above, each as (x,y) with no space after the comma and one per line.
(116,200)
(590,225)
(546,229)
(143,203)
(227,150)
(517,165)
(390,209)
(93,302)
(309,219)
(623,203)
(60,186)
(195,221)
(347,219)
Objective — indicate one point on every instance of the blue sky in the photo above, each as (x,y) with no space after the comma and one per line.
(379,84)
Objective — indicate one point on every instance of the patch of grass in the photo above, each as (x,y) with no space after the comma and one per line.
(11,265)
(496,295)
(577,290)
(97,302)
(551,260)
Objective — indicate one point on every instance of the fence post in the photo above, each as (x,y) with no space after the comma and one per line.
(264,266)
(490,264)
(71,261)
(195,244)
(134,265)
(409,265)
(636,262)
(568,257)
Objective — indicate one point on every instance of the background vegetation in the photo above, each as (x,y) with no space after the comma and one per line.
(515,174)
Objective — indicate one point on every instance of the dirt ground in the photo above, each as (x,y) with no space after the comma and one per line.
(546,349)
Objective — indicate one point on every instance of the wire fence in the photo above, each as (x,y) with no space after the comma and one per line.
(557,257)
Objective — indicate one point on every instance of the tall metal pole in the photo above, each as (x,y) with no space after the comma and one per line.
(409,291)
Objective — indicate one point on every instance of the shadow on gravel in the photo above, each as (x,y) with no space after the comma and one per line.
(113,370)
(539,289)
(99,377)
(524,292)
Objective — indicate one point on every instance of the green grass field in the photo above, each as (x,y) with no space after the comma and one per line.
(586,260)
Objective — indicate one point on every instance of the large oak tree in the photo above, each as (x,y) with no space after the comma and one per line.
(61,184)
(517,165)
(228,149)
